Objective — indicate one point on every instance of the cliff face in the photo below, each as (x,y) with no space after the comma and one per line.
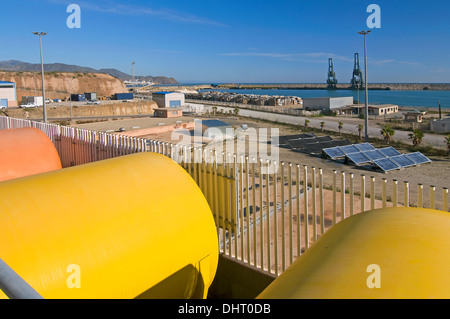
(60,85)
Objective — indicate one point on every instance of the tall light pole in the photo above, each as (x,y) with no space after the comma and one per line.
(132,71)
(41,34)
(366,109)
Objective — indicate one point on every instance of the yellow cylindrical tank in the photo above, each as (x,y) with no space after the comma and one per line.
(26,151)
(131,227)
(394,253)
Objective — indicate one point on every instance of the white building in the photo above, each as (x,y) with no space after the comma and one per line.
(8,94)
(169,99)
(39,100)
(440,126)
(327,103)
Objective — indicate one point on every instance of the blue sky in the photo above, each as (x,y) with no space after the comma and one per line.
(236,41)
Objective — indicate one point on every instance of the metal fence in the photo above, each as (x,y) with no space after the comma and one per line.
(267,213)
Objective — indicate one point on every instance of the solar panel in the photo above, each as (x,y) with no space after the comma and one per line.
(342,142)
(300,136)
(324,139)
(403,160)
(365,147)
(315,148)
(334,152)
(418,158)
(348,149)
(386,164)
(374,155)
(282,140)
(389,151)
(296,143)
(359,158)
(328,144)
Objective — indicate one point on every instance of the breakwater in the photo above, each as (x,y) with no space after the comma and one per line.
(318,86)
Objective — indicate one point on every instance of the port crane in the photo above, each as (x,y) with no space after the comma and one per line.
(332,81)
(357,80)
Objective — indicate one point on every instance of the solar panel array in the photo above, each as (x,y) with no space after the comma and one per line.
(365,154)
(309,143)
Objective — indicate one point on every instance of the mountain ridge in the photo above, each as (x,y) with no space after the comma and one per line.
(20,66)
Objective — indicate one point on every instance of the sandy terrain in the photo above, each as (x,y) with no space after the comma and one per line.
(293,237)
(434,174)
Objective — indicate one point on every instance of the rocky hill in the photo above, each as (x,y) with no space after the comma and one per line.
(61,84)
(19,66)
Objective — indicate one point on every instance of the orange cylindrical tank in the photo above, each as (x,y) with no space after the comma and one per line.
(26,151)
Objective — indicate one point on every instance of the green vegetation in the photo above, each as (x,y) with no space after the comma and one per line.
(387,132)
(416,136)
(306,125)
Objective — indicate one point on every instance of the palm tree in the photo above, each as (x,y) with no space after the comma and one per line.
(447,140)
(416,136)
(214,108)
(387,133)
(306,125)
(236,111)
(340,126)
(322,125)
(360,129)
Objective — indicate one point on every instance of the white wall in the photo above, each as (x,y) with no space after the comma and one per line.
(8,93)
(440,126)
(327,103)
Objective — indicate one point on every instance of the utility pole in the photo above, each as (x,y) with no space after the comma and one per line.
(41,34)
(366,109)
(132,71)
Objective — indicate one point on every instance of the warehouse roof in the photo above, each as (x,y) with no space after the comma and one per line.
(6,82)
(163,93)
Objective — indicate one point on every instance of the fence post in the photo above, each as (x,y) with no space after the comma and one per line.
(351,191)
(299,216)
(420,195)
(406,194)
(372,193)
(321,203)
(342,195)
(275,217)
(432,197)
(334,198)
(445,199)
(395,193)
(363,193)
(383,190)
(305,190)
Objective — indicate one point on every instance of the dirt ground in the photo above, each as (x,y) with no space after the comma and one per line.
(434,174)
(293,237)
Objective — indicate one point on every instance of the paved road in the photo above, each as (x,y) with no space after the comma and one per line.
(331,124)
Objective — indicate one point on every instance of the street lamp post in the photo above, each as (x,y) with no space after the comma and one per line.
(366,109)
(132,71)
(41,34)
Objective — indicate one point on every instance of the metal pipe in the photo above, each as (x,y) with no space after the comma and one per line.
(14,286)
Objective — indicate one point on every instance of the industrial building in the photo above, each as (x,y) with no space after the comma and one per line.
(327,104)
(440,126)
(168,112)
(91,96)
(169,99)
(78,97)
(413,116)
(123,96)
(374,110)
(8,94)
(38,100)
